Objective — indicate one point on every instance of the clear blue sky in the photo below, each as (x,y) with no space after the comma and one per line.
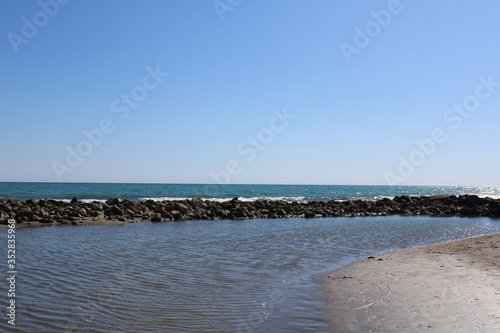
(361,87)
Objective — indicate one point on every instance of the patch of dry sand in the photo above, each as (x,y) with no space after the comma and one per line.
(447,287)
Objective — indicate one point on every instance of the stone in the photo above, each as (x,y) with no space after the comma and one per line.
(21,213)
(128,203)
(5,208)
(198,202)
(113,211)
(112,201)
(177,215)
(96,214)
(494,208)
(199,209)
(76,201)
(473,200)
(4,217)
(467,210)
(31,202)
(181,208)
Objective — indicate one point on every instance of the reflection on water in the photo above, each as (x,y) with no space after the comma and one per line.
(218,276)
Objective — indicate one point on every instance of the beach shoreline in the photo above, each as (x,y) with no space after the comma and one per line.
(53,212)
(444,287)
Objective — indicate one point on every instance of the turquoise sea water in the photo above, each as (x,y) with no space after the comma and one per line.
(100,191)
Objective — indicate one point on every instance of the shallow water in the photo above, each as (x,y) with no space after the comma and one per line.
(217,276)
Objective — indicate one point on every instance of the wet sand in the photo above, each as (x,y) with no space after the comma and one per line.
(446,287)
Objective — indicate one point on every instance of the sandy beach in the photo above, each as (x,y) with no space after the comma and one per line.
(446,287)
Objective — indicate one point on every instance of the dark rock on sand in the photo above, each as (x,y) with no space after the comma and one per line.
(494,208)
(113,211)
(156,217)
(5,208)
(49,211)
(20,213)
(113,201)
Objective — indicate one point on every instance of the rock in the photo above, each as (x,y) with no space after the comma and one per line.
(483,212)
(156,217)
(467,211)
(163,213)
(51,202)
(14,203)
(181,208)
(402,199)
(113,211)
(4,217)
(76,201)
(129,212)
(237,212)
(494,208)
(198,202)
(128,203)
(199,209)
(474,200)
(222,213)
(113,201)
(31,202)
(21,213)
(444,199)
(177,215)
(5,208)
(96,214)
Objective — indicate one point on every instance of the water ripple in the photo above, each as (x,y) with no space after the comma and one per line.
(203,276)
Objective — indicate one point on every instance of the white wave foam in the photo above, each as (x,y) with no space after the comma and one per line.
(380,197)
(289,199)
(83,200)
(164,199)
(262,198)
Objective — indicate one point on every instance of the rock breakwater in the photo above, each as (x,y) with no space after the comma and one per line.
(49,211)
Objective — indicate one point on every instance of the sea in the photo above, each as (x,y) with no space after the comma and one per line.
(137,192)
(202,276)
